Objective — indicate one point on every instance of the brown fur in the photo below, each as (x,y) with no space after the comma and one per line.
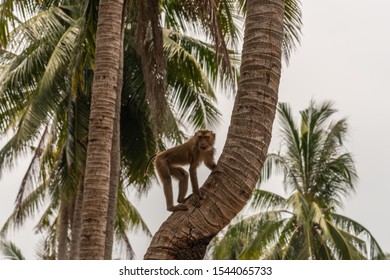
(199,148)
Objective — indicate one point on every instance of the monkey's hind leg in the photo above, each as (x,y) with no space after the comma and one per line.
(165,177)
(182,176)
(169,196)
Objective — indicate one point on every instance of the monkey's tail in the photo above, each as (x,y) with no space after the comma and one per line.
(149,161)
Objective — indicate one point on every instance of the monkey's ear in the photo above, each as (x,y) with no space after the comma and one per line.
(213,134)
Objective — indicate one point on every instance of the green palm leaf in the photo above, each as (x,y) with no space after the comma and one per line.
(26,209)
(264,200)
(127,219)
(216,18)
(10,251)
(349,225)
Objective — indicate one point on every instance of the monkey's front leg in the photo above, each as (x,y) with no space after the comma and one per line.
(210,163)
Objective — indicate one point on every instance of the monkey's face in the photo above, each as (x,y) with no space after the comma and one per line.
(206,140)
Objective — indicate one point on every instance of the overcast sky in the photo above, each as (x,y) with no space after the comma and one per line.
(345,57)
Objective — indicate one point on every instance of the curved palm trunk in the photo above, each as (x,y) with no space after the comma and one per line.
(185,235)
(101,127)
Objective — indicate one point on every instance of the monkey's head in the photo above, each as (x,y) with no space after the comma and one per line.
(205,139)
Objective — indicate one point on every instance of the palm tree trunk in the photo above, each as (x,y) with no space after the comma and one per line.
(115,163)
(63,223)
(101,129)
(74,253)
(185,235)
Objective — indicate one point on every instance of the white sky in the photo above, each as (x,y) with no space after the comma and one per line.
(345,57)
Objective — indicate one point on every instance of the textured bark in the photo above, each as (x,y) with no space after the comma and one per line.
(101,127)
(62,238)
(185,235)
(115,163)
(74,253)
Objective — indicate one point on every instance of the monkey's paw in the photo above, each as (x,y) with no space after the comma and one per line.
(179,207)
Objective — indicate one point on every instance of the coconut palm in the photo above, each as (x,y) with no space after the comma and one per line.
(318,174)
(185,235)
(90,10)
(56,121)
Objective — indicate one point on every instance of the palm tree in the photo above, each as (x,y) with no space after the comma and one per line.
(89,9)
(185,235)
(318,173)
(105,91)
(61,123)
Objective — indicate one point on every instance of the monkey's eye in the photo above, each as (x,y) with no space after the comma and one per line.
(207,137)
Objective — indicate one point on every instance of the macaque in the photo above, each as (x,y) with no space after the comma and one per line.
(198,148)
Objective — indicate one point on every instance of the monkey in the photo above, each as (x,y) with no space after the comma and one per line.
(199,148)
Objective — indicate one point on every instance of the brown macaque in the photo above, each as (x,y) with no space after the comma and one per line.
(199,148)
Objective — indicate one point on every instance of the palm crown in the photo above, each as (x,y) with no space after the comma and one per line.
(318,173)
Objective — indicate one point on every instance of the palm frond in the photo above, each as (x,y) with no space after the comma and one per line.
(32,82)
(48,219)
(149,46)
(128,217)
(230,19)
(36,116)
(31,173)
(125,244)
(8,19)
(137,141)
(36,39)
(216,18)
(349,225)
(264,200)
(208,15)
(343,245)
(251,237)
(274,164)
(187,54)
(194,52)
(269,228)
(292,25)
(332,140)
(47,247)
(44,24)
(234,241)
(11,251)
(292,141)
(197,110)
(26,209)
(284,246)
